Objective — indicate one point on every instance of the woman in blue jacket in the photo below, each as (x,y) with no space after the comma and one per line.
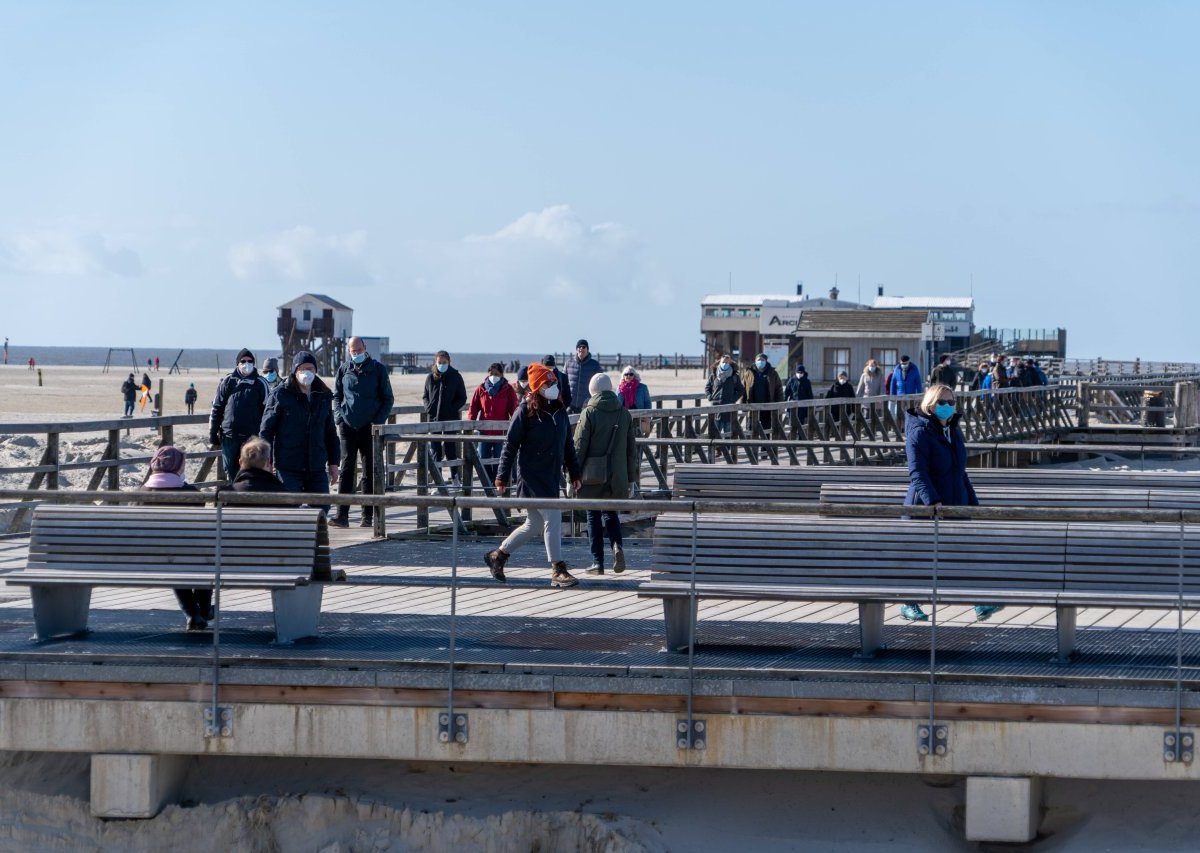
(539,445)
(937,467)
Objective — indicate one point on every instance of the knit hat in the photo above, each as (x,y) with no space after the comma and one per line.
(548,360)
(168,459)
(523,374)
(600,382)
(245,353)
(539,376)
(582,342)
(272,364)
(303,357)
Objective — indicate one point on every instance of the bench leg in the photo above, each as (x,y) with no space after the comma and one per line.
(297,612)
(60,610)
(675,613)
(870,628)
(1066,634)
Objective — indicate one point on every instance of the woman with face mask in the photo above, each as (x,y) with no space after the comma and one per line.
(840,388)
(724,388)
(537,449)
(444,396)
(937,467)
(870,384)
(494,400)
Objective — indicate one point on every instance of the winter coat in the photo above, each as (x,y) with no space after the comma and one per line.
(840,389)
(641,397)
(798,388)
(257,480)
(1028,377)
(579,375)
(362,394)
(944,374)
(724,389)
(237,409)
(937,465)
(489,403)
(774,385)
(186,487)
(445,395)
(300,428)
(870,386)
(904,381)
(605,424)
(129,388)
(189,396)
(536,449)
(564,386)
(999,377)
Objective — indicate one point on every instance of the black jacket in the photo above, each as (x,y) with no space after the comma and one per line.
(445,395)
(300,427)
(237,409)
(840,389)
(944,374)
(539,447)
(362,394)
(798,388)
(257,480)
(579,376)
(129,388)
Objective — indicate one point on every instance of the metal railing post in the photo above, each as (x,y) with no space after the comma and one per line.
(452,726)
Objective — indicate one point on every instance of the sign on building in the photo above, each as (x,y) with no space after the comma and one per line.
(778,322)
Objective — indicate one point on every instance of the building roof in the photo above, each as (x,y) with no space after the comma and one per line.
(964,303)
(320,297)
(900,322)
(743,299)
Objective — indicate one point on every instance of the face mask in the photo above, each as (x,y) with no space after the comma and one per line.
(725,368)
(872,370)
(522,385)
(442,368)
(306,377)
(359,358)
(944,411)
(760,364)
(272,376)
(245,369)
(550,392)
(842,381)
(493,380)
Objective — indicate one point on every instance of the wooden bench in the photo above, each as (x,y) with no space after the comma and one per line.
(892,494)
(803,482)
(804,558)
(75,548)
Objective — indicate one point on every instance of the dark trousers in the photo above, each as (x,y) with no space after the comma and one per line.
(231,449)
(195,602)
(306,481)
(355,443)
(600,523)
(129,408)
(488,451)
(191,408)
(448,451)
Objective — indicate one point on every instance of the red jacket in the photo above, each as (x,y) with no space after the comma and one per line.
(499,407)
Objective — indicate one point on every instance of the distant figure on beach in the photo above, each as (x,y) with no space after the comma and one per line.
(841,388)
(298,424)
(635,395)
(564,385)
(444,397)
(761,384)
(156,367)
(537,449)
(945,373)
(606,450)
(145,389)
(580,371)
(6,350)
(271,374)
(494,400)
(149,364)
(32,362)
(129,390)
(362,396)
(189,398)
(237,410)
(724,388)
(257,473)
(166,474)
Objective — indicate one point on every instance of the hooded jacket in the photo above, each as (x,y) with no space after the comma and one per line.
(362,394)
(129,390)
(237,408)
(493,403)
(257,480)
(536,449)
(774,384)
(798,388)
(579,375)
(445,395)
(904,381)
(723,389)
(606,425)
(944,374)
(300,427)
(937,462)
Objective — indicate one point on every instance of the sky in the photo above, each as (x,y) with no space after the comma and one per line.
(513,176)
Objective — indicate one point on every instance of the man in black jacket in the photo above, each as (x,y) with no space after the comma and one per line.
(444,397)
(362,395)
(237,410)
(129,391)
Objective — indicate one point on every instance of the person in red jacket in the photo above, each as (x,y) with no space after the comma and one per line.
(494,400)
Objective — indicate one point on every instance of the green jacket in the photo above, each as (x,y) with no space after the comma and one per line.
(597,422)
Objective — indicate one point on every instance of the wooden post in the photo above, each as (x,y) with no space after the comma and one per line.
(114,452)
(379,518)
(52,459)
(1083,391)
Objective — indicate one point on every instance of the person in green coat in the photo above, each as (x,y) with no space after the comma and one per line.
(605,429)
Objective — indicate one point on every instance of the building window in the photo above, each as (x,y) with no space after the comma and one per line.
(837,359)
(307,315)
(887,359)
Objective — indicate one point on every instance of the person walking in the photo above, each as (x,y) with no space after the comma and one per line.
(494,400)
(256,472)
(724,388)
(362,396)
(761,384)
(607,452)
(841,388)
(580,371)
(298,424)
(145,389)
(166,474)
(798,388)
(271,374)
(905,378)
(237,410)
(945,373)
(564,385)
(444,397)
(537,449)
(156,364)
(870,384)
(937,468)
(129,390)
(189,398)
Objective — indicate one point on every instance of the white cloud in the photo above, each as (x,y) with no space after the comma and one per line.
(301,254)
(62,252)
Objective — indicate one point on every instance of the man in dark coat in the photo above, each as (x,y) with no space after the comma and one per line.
(257,473)
(129,391)
(298,423)
(840,388)
(944,374)
(762,384)
(580,371)
(362,396)
(444,397)
(237,410)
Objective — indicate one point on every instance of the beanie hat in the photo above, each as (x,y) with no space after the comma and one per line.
(272,364)
(523,374)
(582,342)
(539,376)
(168,459)
(548,360)
(600,382)
(245,353)
(303,357)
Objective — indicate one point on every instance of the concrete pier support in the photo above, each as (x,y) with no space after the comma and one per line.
(125,786)
(1003,808)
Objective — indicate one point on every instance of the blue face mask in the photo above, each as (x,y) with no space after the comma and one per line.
(944,411)
(725,368)
(359,359)
(442,368)
(760,364)
(272,376)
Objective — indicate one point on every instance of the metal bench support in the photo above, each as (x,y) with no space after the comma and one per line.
(1066,634)
(870,628)
(60,610)
(675,612)
(297,612)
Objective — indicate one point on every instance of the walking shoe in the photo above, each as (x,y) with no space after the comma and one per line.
(618,558)
(561,578)
(195,623)
(367,521)
(983,612)
(495,561)
(596,568)
(913,613)
(338,521)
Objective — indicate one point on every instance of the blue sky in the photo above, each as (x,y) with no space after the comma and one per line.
(512,176)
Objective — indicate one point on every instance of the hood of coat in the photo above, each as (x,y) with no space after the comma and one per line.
(916,420)
(605,401)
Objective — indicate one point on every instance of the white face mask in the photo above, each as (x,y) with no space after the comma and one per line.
(550,392)
(306,377)
(245,369)
(493,380)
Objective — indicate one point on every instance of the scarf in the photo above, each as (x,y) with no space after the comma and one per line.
(628,389)
(164,480)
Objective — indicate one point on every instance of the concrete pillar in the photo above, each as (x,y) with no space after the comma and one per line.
(1003,808)
(125,786)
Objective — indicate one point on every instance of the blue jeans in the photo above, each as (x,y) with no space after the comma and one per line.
(129,408)
(489,450)
(231,449)
(306,481)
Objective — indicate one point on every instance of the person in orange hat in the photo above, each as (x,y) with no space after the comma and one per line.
(538,447)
